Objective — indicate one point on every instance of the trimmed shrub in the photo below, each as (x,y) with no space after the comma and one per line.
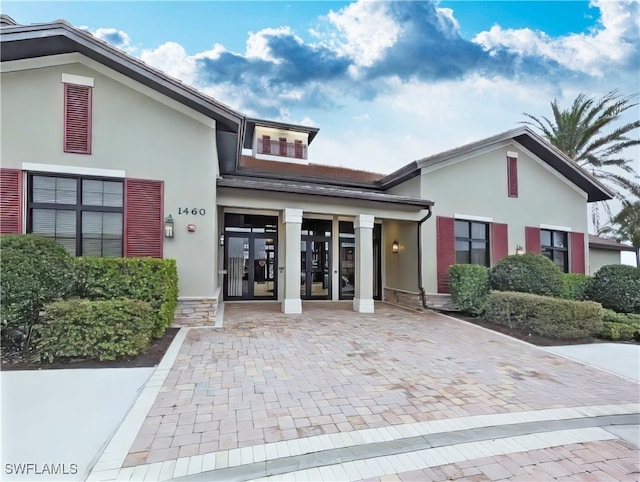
(575,286)
(102,330)
(620,331)
(35,271)
(527,273)
(611,316)
(469,287)
(544,315)
(145,279)
(617,286)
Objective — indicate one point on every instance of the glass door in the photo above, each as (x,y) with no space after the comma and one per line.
(250,257)
(315,259)
(347,267)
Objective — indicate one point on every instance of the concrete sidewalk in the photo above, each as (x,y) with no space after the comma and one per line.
(619,358)
(60,420)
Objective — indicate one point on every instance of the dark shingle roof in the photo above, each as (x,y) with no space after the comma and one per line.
(606,243)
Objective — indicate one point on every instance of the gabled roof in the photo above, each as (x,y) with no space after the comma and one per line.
(605,243)
(59,37)
(252,123)
(596,191)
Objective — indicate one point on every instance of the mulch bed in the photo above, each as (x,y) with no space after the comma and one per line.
(148,358)
(521,334)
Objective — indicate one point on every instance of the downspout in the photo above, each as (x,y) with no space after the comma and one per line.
(420,287)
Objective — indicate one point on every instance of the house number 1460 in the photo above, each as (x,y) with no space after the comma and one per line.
(192,211)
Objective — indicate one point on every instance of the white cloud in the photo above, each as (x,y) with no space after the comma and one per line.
(115,37)
(363,31)
(613,43)
(173,60)
(258,43)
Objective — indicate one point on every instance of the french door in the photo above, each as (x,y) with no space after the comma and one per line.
(315,261)
(251,266)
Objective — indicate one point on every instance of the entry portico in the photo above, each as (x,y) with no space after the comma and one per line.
(329,242)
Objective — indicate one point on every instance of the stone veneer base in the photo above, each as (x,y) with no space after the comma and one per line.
(412,300)
(196,312)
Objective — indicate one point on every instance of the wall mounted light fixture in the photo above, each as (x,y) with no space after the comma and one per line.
(519,249)
(221,240)
(168,226)
(395,246)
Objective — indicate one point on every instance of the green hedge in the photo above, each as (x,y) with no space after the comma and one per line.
(144,279)
(469,287)
(527,273)
(575,286)
(102,330)
(620,326)
(34,271)
(620,331)
(546,316)
(617,286)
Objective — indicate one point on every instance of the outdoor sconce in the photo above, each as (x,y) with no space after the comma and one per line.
(519,249)
(168,226)
(395,246)
(221,241)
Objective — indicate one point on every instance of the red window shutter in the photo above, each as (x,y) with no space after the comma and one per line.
(446,251)
(282,142)
(10,201)
(499,242)
(266,145)
(577,253)
(298,149)
(532,240)
(77,119)
(143,218)
(512,176)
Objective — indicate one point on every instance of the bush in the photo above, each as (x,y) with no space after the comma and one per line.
(102,330)
(620,326)
(575,286)
(469,287)
(617,286)
(620,331)
(144,279)
(544,315)
(527,273)
(35,271)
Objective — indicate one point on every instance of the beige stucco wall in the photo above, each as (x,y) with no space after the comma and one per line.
(401,268)
(602,257)
(135,130)
(477,186)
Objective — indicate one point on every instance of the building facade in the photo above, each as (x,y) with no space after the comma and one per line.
(111,157)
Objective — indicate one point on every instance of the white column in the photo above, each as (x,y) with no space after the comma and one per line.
(363,299)
(292,228)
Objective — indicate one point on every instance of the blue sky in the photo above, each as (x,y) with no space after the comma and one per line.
(387,82)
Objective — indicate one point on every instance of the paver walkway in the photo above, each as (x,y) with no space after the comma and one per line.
(283,382)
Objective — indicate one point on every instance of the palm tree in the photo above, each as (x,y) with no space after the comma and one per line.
(588,133)
(625,226)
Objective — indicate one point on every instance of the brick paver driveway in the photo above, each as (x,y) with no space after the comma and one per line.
(267,377)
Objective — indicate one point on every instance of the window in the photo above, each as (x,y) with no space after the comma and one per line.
(555,247)
(77,118)
(472,242)
(84,215)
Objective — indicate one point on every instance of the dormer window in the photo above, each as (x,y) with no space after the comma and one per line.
(282,147)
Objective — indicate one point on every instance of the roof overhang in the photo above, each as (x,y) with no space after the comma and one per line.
(596,242)
(59,37)
(323,190)
(252,123)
